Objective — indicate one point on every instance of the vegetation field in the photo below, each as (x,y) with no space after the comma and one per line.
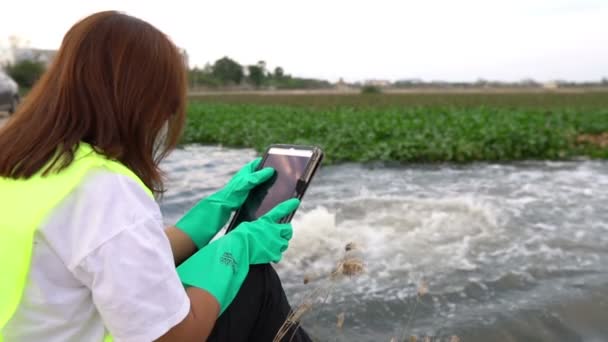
(410,127)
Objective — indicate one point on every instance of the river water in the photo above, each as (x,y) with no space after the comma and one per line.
(509,252)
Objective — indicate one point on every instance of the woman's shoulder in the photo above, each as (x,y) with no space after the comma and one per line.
(103,190)
(104,205)
(104,184)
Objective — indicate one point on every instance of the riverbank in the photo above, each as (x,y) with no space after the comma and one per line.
(470,99)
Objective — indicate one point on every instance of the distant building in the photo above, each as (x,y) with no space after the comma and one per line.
(6,57)
(410,81)
(341,85)
(551,85)
(378,83)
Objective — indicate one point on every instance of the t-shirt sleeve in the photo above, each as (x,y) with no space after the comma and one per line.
(131,272)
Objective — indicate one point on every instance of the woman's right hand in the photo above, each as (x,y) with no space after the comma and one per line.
(221,266)
(266,238)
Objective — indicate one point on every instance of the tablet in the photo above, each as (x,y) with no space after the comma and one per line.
(295,167)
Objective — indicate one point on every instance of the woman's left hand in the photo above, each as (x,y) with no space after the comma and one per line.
(209,215)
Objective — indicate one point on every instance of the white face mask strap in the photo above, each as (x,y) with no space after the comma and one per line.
(161,140)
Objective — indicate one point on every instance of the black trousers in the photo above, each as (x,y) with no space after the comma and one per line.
(258,311)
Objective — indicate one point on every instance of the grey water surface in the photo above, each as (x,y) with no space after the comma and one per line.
(508,252)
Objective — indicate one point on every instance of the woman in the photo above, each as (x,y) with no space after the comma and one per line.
(83,252)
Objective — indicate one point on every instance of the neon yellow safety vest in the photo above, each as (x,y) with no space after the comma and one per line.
(24,205)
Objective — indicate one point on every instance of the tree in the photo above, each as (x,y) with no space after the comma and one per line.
(262,65)
(370,89)
(279,73)
(256,75)
(228,71)
(202,77)
(26,72)
(208,68)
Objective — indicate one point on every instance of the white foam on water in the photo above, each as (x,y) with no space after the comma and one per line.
(544,226)
(401,239)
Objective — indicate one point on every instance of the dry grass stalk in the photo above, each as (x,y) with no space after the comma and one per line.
(352,267)
(347,266)
(340,321)
(413,338)
(393,339)
(300,311)
(454,338)
(292,321)
(421,291)
(312,277)
(600,140)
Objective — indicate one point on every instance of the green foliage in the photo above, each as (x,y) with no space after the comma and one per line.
(279,73)
(227,71)
(256,75)
(23,91)
(202,77)
(404,134)
(370,89)
(26,72)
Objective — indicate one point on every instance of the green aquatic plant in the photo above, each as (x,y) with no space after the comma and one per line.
(420,134)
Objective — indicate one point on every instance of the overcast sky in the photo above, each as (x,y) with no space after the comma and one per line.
(455,40)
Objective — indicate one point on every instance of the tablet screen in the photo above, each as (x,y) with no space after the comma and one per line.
(290,165)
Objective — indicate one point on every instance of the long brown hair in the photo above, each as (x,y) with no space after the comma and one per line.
(114,83)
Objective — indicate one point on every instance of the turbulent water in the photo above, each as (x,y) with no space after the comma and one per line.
(514,252)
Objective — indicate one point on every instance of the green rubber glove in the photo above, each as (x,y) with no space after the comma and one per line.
(221,267)
(208,216)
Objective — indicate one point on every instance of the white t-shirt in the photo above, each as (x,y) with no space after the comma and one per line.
(101,261)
